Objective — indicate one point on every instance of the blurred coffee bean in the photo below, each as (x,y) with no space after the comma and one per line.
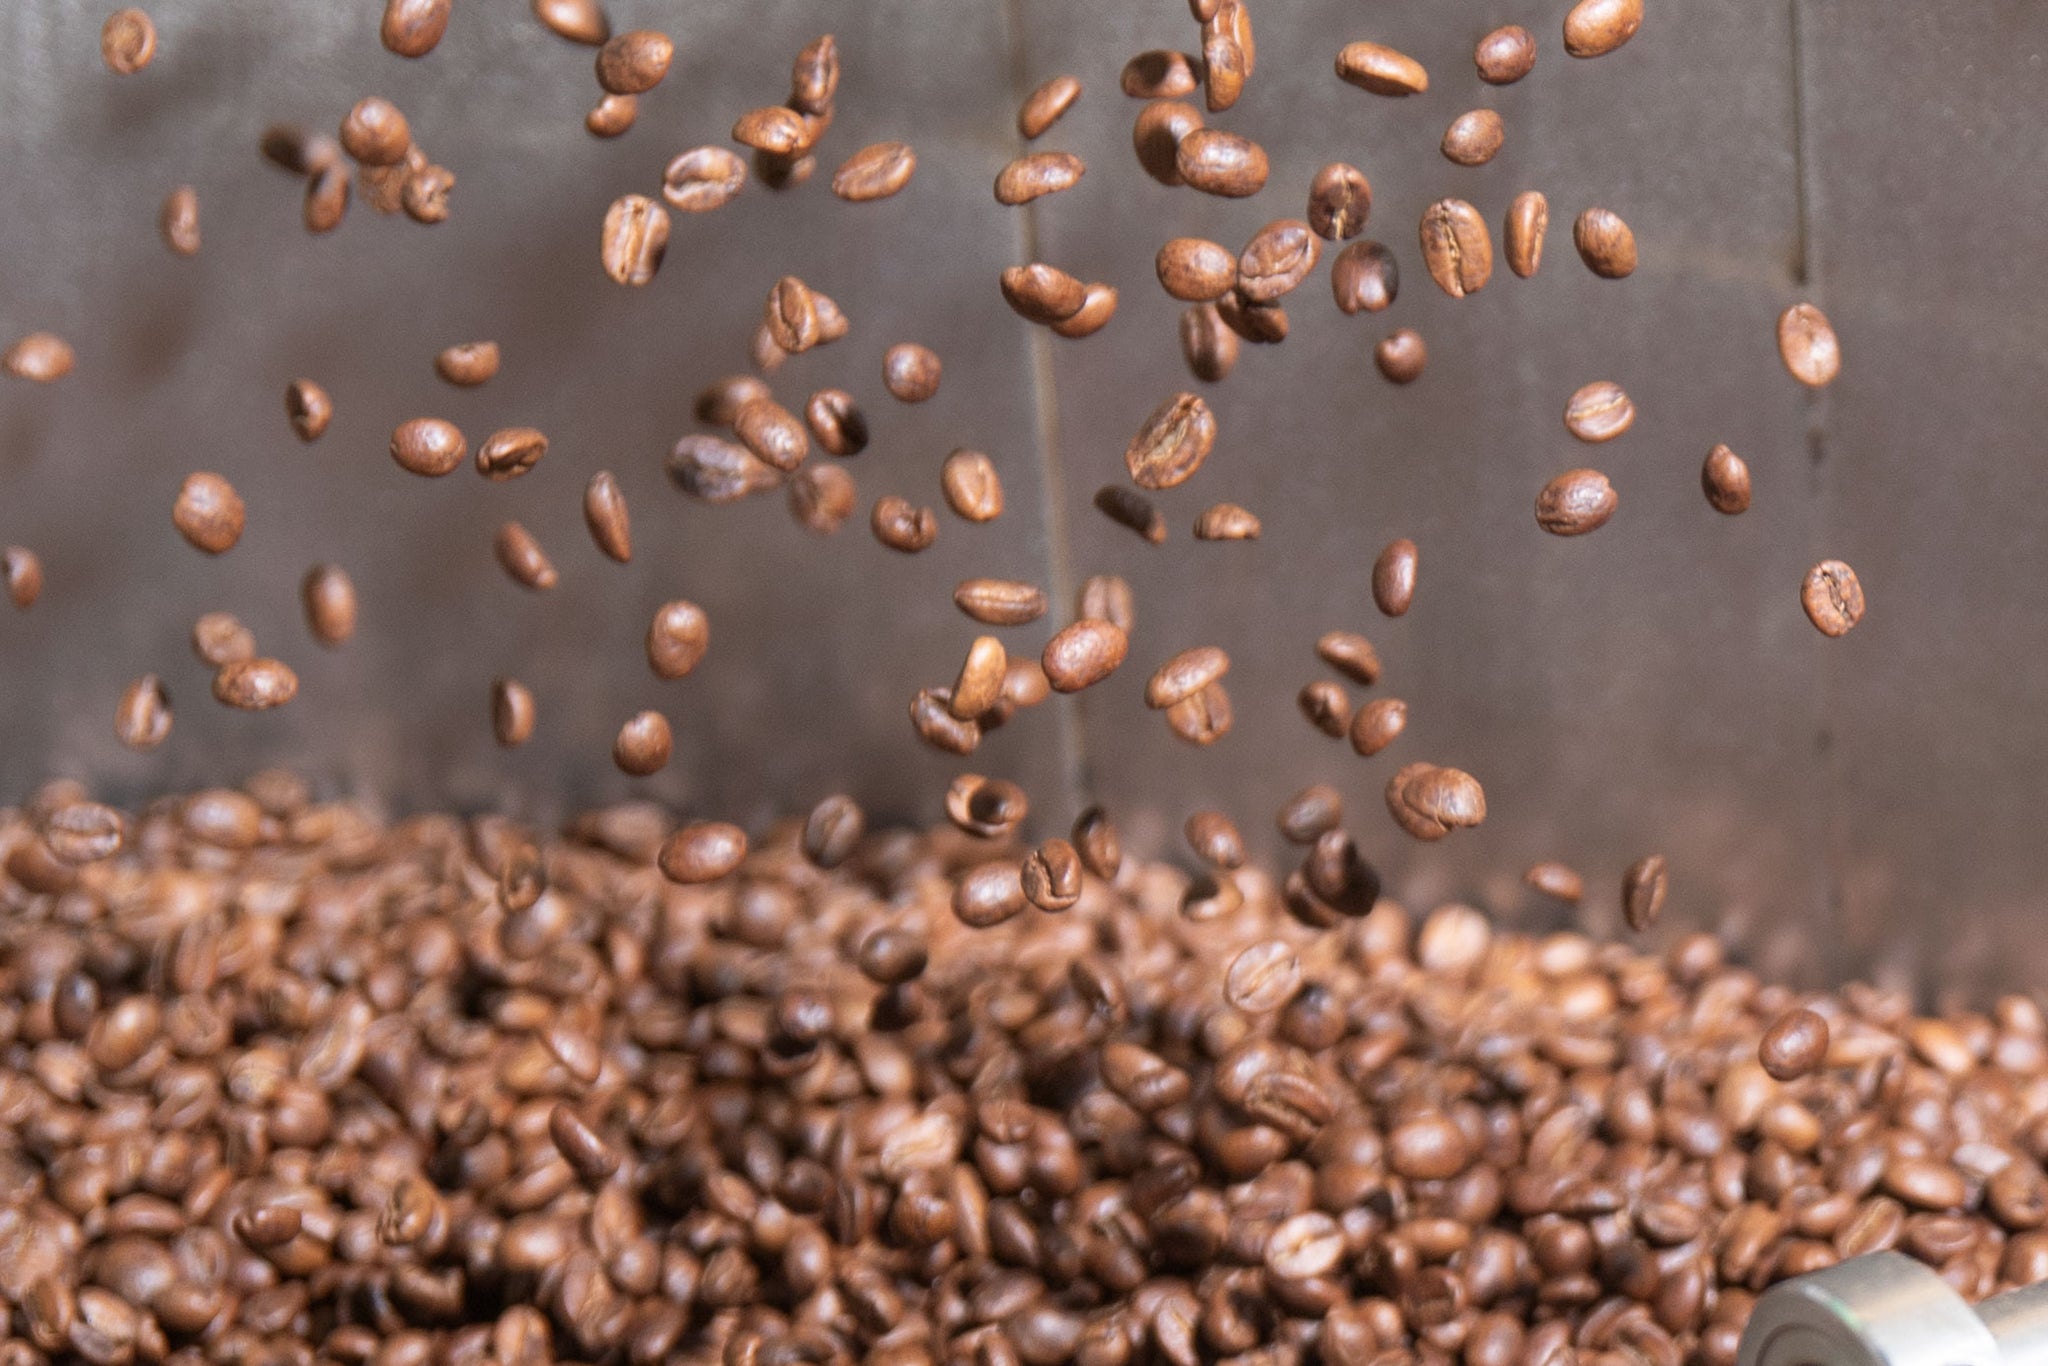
(1725,479)
(1505,55)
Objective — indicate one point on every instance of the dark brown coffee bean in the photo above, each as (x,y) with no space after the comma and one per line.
(718,471)
(779,132)
(613,116)
(1215,839)
(1643,888)
(1522,232)
(84,832)
(1220,163)
(178,221)
(1605,244)
(1556,880)
(1339,201)
(1364,278)
(43,357)
(1043,107)
(875,172)
(821,498)
(330,602)
(1157,134)
(209,513)
(1505,55)
(814,76)
(218,639)
(387,189)
(21,574)
(1000,602)
(1429,801)
(412,28)
(1051,876)
(703,852)
(1401,355)
(1229,52)
(911,372)
(800,318)
(1378,724)
(1195,270)
(510,452)
(1209,347)
(467,364)
(1350,654)
(1276,260)
(255,684)
(1326,705)
(634,240)
(127,41)
(1456,248)
(972,488)
(1098,306)
(987,808)
(1381,70)
(677,638)
(836,422)
(1575,502)
(772,433)
(900,525)
(1725,479)
(429,447)
(327,191)
(1393,577)
(1594,28)
(308,408)
(512,712)
(1474,138)
(643,744)
(1833,597)
(604,513)
(634,63)
(1186,674)
(1310,814)
(1227,522)
(1098,844)
(1204,718)
(1041,293)
(520,555)
(1036,174)
(989,895)
(294,150)
(1172,444)
(580,21)
(1262,978)
(143,719)
(932,718)
(832,830)
(581,1146)
(1598,412)
(1082,654)
(1807,345)
(1159,75)
(375,133)
(720,402)
(1795,1046)
(1129,508)
(1108,597)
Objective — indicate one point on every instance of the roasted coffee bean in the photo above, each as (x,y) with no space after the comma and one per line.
(821,498)
(308,408)
(989,895)
(1393,577)
(294,150)
(1262,978)
(973,489)
(814,76)
(987,808)
(143,719)
(219,638)
(1227,522)
(510,452)
(613,116)
(581,1146)
(428,446)
(1807,345)
(1474,138)
(703,852)
(520,555)
(1364,278)
(1429,801)
(1598,412)
(375,133)
(911,372)
(580,21)
(1172,444)
(1796,1045)
(634,63)
(783,172)
(1277,259)
(800,318)
(1594,28)
(1129,508)
(512,712)
(1209,347)
(329,598)
(413,28)
(1556,880)
(1156,137)
(1401,355)
(1220,163)
(718,471)
(21,574)
(1000,602)
(1522,232)
(43,357)
(255,684)
(1378,724)
(979,685)
(900,525)
(1195,270)
(1229,52)
(178,221)
(1575,502)
(1833,597)
(1098,306)
(772,434)
(1204,718)
(1381,70)
(1082,654)
(643,744)
(1339,201)
(1043,294)
(931,717)
(634,240)
(1326,705)
(426,192)
(1097,842)
(720,402)
(1310,814)
(1037,174)
(1043,107)
(1215,839)
(778,132)
(677,638)
(1159,75)
(703,179)
(84,832)
(1505,55)
(836,422)
(1456,248)
(604,513)
(209,513)
(1051,876)
(1108,597)
(1643,888)
(127,41)
(875,172)
(1351,654)
(832,831)
(1605,244)
(327,192)
(1186,674)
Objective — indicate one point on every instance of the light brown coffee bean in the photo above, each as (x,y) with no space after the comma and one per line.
(1043,107)
(986,808)
(973,489)
(800,317)
(1082,654)
(772,434)
(413,28)
(1382,70)
(833,830)
(1350,654)
(467,364)
(178,221)
(327,191)
(605,514)
(1195,270)
(1041,293)
(836,422)
(1456,248)
(375,133)
(613,116)
(1097,842)
(127,41)
(1209,347)
(1129,508)
(1108,597)
(1305,1246)
(510,452)
(1725,480)
(935,724)
(220,639)
(989,895)
(1326,705)
(425,194)
(1505,55)
(718,471)
(1393,577)
(1474,138)
(1156,136)
(634,240)
(79,833)
(1378,724)
(1429,801)
(1000,602)
(979,685)
(1339,202)
(777,131)
(911,372)
(814,76)
(329,599)
(1172,444)
(1643,888)
(512,712)
(1221,163)
(308,408)
(1401,355)
(580,21)
(1037,174)
(428,446)
(821,498)
(209,513)
(1807,345)
(1575,502)
(1204,718)
(875,172)
(643,744)
(1186,674)
(21,574)
(1227,522)
(520,555)
(703,852)
(1795,1046)
(1364,278)
(634,63)
(142,721)
(43,357)
(1159,75)
(1605,244)
(677,638)
(1556,880)
(1310,814)
(901,525)
(1098,306)
(703,179)
(1598,412)
(1522,232)
(1833,597)
(1594,28)
(1051,876)
(1276,260)
(1215,839)
(255,684)
(1229,52)
(1262,978)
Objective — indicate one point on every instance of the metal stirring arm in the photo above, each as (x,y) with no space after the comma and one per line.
(1886,1309)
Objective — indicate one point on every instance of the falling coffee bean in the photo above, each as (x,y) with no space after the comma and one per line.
(1326,705)
(467,364)
(973,489)
(821,498)
(1051,876)
(677,638)
(836,422)
(1364,278)
(329,598)
(1186,674)
(1833,597)
(520,555)
(1276,260)
(1382,70)
(1172,444)
(308,408)
(1522,233)
(1096,840)
(1000,602)
(1215,839)
(1204,718)
(375,133)
(1043,294)
(209,513)
(1043,107)
(1350,654)
(1108,597)
(832,831)
(21,574)
(703,179)
(1220,163)
(1556,880)
(1310,814)
(1037,174)
(1807,345)
(1725,479)
(634,63)
(1209,347)
(1393,577)
(1474,138)
(1156,137)
(1643,888)
(178,221)
(1195,270)
(1098,306)
(1456,248)
(1129,508)
(910,372)
(220,639)
(429,447)
(772,434)
(1262,978)
(1795,1046)
(1227,522)
(142,721)
(1378,724)
(901,525)
(875,172)
(1401,355)
(614,116)
(1159,74)
(127,41)
(1594,28)
(704,852)
(1339,202)
(1575,502)
(643,744)
(255,684)
(604,513)
(1598,412)
(1605,244)
(1083,654)
(512,712)
(634,240)
(1505,55)
(413,28)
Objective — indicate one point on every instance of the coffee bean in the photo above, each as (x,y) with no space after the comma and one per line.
(255,684)
(1833,597)
(1725,479)
(425,195)
(1204,718)
(1401,355)
(1643,888)
(1037,174)
(1129,508)
(614,115)
(1795,1046)
(1522,233)
(143,719)
(986,808)
(911,372)
(643,744)
(510,452)
(1082,654)
(999,602)
(973,489)
(330,602)
(467,364)
(428,446)
(1227,522)
(634,240)
(832,830)
(1108,597)
(677,638)
(1262,977)
(703,179)
(1456,248)
(718,471)
(979,685)
(836,422)
(219,639)
(1378,724)
(1229,53)
(720,402)
(1215,839)
(1043,107)
(989,895)
(375,133)
(772,434)
(1051,876)
(1364,278)
(127,41)
(294,150)
(1172,444)
(412,28)
(604,513)
(1393,577)
(327,192)
(634,63)
(21,574)
(1097,842)
(1194,269)
(800,318)
(1326,705)
(580,21)
(1159,75)
(875,172)
(703,852)
(1381,70)
(512,712)
(520,555)
(1310,814)
(1598,412)
(43,357)
(1351,654)
(1209,347)
(814,76)
(1186,674)
(1156,137)
(900,525)
(209,513)
(1220,163)
(1575,502)
(1276,260)
(1098,306)
(821,498)
(1594,28)
(1605,244)
(932,718)
(1429,801)
(1505,55)
(1807,345)
(1474,138)
(777,131)
(1556,880)
(308,408)
(1041,293)
(178,221)
(1305,1246)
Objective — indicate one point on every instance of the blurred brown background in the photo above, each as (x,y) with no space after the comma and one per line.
(1868,805)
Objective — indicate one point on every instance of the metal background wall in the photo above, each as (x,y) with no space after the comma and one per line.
(1869,805)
